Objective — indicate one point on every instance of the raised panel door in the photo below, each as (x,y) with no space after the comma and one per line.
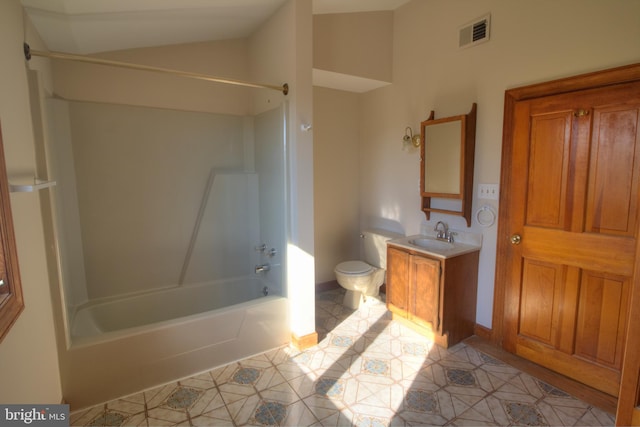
(425,290)
(574,192)
(397,280)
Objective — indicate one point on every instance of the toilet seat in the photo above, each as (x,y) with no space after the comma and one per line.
(354,268)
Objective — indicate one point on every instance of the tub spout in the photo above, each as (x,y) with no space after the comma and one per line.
(263,268)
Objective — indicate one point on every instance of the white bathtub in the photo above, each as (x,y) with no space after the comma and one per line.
(124,345)
(122,313)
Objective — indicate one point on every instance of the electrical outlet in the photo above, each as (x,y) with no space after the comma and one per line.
(488,191)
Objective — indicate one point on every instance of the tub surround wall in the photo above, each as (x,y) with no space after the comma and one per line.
(64,203)
(270,167)
(145,178)
(224,240)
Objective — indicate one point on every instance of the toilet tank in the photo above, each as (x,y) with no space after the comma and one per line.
(375,246)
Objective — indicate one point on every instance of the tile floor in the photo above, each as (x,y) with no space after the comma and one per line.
(366,371)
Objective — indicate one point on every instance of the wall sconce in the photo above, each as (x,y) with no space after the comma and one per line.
(409,139)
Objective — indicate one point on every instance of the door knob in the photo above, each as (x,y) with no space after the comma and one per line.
(516,239)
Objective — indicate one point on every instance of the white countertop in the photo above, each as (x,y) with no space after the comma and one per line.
(431,246)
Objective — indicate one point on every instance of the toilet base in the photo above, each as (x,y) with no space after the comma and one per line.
(354,299)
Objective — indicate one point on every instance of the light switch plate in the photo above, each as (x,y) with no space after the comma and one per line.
(489,191)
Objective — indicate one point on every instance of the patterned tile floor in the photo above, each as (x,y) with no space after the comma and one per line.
(367,371)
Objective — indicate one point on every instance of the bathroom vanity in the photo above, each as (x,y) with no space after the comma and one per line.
(432,286)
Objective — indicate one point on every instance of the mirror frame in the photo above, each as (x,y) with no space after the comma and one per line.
(467,152)
(11,301)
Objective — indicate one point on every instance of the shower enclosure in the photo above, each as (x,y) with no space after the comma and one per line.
(170,228)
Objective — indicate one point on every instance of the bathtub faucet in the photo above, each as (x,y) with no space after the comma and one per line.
(263,268)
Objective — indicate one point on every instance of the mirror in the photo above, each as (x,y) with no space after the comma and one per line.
(442,154)
(446,162)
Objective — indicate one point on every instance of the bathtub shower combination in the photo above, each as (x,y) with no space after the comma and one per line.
(170,228)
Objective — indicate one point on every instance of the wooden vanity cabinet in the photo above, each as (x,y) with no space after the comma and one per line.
(434,296)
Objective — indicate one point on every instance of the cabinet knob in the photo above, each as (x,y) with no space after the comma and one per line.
(516,239)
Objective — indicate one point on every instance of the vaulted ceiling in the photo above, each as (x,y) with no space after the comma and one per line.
(90,26)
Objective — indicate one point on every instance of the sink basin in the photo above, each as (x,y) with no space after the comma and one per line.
(431,244)
(434,247)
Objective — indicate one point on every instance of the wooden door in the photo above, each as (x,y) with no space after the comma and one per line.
(572,223)
(424,291)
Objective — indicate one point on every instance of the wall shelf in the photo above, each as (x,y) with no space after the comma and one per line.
(37,185)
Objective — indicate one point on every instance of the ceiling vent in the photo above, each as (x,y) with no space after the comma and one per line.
(475,32)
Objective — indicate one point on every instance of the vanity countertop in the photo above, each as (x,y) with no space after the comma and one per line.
(431,246)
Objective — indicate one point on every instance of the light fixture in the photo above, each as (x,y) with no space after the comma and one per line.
(409,139)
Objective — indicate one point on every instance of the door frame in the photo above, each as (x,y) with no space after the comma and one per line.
(598,79)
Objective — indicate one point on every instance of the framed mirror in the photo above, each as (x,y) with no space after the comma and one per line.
(11,302)
(446,162)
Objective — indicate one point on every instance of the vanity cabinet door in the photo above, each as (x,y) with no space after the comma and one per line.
(413,287)
(436,297)
(398,281)
(424,279)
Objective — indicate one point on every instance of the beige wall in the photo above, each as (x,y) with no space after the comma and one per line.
(530,42)
(228,58)
(336,185)
(357,44)
(28,359)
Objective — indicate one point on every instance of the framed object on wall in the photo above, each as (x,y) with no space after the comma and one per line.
(11,301)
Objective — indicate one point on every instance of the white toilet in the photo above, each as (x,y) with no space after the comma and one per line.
(362,279)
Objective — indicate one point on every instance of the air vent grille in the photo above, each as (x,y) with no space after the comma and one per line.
(475,32)
(480,30)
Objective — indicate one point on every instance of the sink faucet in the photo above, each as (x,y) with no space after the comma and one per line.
(443,234)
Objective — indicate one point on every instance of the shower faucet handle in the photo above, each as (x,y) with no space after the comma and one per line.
(260,248)
(262,268)
(272,252)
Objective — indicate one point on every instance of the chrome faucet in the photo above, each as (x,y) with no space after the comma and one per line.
(443,234)
(262,268)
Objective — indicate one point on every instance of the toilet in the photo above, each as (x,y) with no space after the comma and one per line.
(362,279)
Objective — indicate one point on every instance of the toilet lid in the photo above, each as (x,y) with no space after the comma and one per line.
(353,267)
